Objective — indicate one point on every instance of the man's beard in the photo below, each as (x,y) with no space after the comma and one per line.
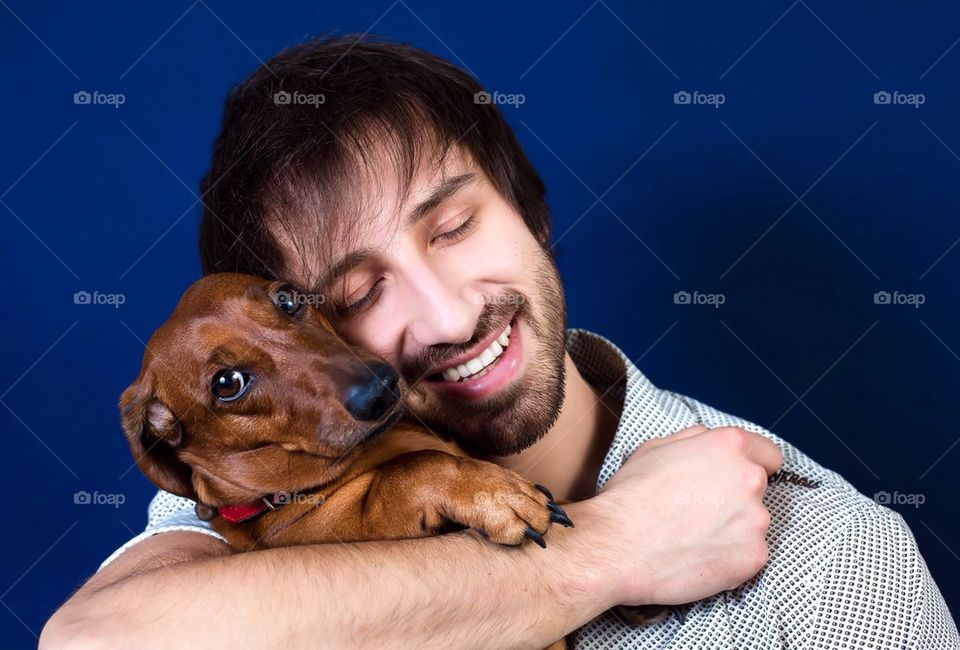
(518,416)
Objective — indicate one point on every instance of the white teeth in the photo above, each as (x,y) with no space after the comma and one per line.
(481,361)
(486,357)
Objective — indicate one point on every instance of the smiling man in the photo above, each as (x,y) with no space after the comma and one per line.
(368,173)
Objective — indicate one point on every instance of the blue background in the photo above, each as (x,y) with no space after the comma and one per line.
(103,199)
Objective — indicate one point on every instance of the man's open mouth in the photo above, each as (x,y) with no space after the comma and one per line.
(479,365)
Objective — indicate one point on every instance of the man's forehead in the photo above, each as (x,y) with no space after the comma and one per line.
(392,198)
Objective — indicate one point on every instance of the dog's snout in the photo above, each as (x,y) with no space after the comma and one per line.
(373,395)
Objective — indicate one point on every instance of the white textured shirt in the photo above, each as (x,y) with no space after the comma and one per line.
(843,571)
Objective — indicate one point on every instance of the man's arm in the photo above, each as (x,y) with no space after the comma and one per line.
(455,590)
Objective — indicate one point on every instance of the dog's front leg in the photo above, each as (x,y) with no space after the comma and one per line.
(423,493)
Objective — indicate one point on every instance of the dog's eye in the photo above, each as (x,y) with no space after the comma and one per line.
(230,384)
(287,299)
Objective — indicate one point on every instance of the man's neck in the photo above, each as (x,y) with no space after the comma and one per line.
(568,458)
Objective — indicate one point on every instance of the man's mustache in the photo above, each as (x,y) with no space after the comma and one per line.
(496,313)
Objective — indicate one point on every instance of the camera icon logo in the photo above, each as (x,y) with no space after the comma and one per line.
(681,97)
(282,98)
(82,497)
(881,97)
(482,97)
(81,298)
(681,298)
(81,97)
(881,298)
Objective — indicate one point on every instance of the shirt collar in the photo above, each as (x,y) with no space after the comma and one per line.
(648,412)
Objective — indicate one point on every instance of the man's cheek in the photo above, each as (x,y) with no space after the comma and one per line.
(496,254)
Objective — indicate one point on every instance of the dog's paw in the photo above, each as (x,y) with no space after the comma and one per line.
(503,507)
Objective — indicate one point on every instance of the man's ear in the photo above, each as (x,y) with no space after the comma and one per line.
(154,435)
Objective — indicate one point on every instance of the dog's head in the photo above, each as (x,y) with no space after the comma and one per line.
(246,390)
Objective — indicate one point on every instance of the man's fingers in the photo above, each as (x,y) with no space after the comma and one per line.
(764,452)
(757,448)
(689,432)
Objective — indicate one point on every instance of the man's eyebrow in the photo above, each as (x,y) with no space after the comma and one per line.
(438,195)
(346,263)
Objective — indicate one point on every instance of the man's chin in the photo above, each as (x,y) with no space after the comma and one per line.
(507,441)
(504,424)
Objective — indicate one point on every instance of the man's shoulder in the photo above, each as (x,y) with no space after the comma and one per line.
(845,565)
(803,487)
(815,512)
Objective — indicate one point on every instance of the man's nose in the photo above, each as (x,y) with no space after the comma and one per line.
(373,395)
(440,314)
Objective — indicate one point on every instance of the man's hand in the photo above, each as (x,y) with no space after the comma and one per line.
(692,503)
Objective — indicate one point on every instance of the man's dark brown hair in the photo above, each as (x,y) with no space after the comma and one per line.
(299,132)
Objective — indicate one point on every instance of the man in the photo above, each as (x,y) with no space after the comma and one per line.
(380,177)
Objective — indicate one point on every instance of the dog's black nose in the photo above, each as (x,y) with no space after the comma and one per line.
(372,397)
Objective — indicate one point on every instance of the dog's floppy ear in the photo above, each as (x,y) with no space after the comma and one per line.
(154,434)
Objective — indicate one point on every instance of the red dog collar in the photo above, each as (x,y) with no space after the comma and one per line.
(245,511)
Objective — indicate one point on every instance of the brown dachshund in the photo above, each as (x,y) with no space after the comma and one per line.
(249,403)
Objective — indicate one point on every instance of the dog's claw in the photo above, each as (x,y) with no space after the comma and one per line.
(544,490)
(535,536)
(558,518)
(679,614)
(559,515)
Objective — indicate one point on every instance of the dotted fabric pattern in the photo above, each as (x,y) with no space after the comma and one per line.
(844,572)
(167,512)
